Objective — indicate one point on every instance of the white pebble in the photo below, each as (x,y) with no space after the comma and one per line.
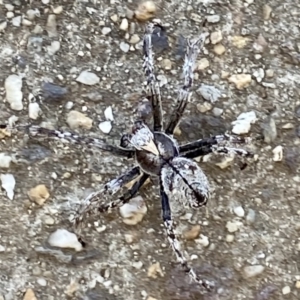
(62,238)
(109,114)
(88,78)
(105,126)
(203,240)
(34,110)
(278,153)
(13,89)
(106,30)
(252,271)
(16,21)
(8,184)
(286,290)
(162,80)
(239,211)
(229,238)
(5,161)
(250,218)
(53,48)
(134,211)
(124,47)
(124,25)
(243,123)
(42,282)
(2,248)
(232,226)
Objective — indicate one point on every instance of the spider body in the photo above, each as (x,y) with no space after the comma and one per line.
(156,153)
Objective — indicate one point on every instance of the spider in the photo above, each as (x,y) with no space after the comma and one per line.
(157,153)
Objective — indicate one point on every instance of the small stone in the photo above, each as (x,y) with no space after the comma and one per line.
(239,211)
(243,123)
(51,26)
(217,111)
(9,7)
(8,184)
(88,78)
(196,18)
(124,47)
(192,233)
(252,271)
(53,48)
(226,162)
(216,37)
(106,30)
(42,282)
(16,21)
(72,288)
(278,153)
(154,270)
(239,41)
(145,11)
(229,238)
(232,226)
(134,39)
(133,212)
(166,64)
(203,240)
(29,295)
(209,93)
(137,265)
(297,284)
(250,218)
(288,126)
(267,10)
(3,26)
(49,220)
(240,81)
(62,238)
(26,22)
(204,107)
(109,114)
(219,49)
(269,130)
(39,194)
(129,238)
(213,19)
(53,91)
(5,161)
(260,44)
(114,18)
(57,10)
(286,290)
(105,126)
(202,64)
(34,110)
(124,25)
(76,119)
(31,14)
(10,15)
(13,89)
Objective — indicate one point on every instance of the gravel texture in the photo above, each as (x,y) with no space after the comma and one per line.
(63,63)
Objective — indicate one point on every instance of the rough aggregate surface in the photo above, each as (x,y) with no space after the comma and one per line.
(81,57)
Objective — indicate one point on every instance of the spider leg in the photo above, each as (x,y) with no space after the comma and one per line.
(193,48)
(93,203)
(76,139)
(153,86)
(175,244)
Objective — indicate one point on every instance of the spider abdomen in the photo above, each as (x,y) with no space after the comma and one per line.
(184,181)
(151,163)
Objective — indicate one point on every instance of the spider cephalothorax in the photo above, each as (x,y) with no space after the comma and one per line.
(157,153)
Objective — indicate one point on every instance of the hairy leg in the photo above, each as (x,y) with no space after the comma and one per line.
(175,244)
(153,86)
(193,48)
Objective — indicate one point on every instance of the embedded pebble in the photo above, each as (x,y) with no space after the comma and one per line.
(250,218)
(106,30)
(105,126)
(239,211)
(137,265)
(76,119)
(16,21)
(232,226)
(217,111)
(8,183)
(29,295)
(5,160)
(51,26)
(239,41)
(216,37)
(53,91)
(39,194)
(286,290)
(13,89)
(133,211)
(145,11)
(203,240)
(53,48)
(124,25)
(57,10)
(278,153)
(229,238)
(202,64)
(162,80)
(267,10)
(240,81)
(213,19)
(269,130)
(154,270)
(252,271)
(204,107)
(134,39)
(109,114)
(166,64)
(34,110)
(243,123)
(88,78)
(192,233)
(219,49)
(41,282)
(124,47)
(62,238)
(226,161)
(209,93)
